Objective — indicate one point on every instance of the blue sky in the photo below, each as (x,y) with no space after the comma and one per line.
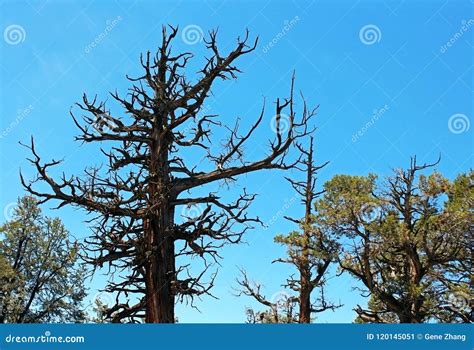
(411,58)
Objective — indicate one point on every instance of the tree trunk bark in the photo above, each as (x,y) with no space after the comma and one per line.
(406,317)
(160,264)
(305,270)
(305,302)
(159,273)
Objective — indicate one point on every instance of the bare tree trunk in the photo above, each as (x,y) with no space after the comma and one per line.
(305,301)
(406,317)
(305,270)
(159,273)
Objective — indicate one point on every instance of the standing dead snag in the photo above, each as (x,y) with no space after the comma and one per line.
(310,251)
(135,200)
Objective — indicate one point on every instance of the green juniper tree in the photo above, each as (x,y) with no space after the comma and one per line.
(40,280)
(310,251)
(407,241)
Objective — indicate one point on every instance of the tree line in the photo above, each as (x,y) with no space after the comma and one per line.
(406,239)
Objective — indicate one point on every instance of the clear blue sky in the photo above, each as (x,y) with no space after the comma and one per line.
(46,63)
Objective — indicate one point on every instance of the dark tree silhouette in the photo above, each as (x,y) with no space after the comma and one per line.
(310,250)
(136,194)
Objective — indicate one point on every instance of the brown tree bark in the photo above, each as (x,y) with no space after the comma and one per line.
(305,269)
(159,274)
(305,301)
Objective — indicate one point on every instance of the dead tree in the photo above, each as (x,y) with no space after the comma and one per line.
(310,251)
(135,196)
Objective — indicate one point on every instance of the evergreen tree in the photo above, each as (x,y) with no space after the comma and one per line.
(407,240)
(40,280)
(310,251)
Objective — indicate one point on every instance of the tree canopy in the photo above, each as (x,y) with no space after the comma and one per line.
(40,279)
(407,241)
